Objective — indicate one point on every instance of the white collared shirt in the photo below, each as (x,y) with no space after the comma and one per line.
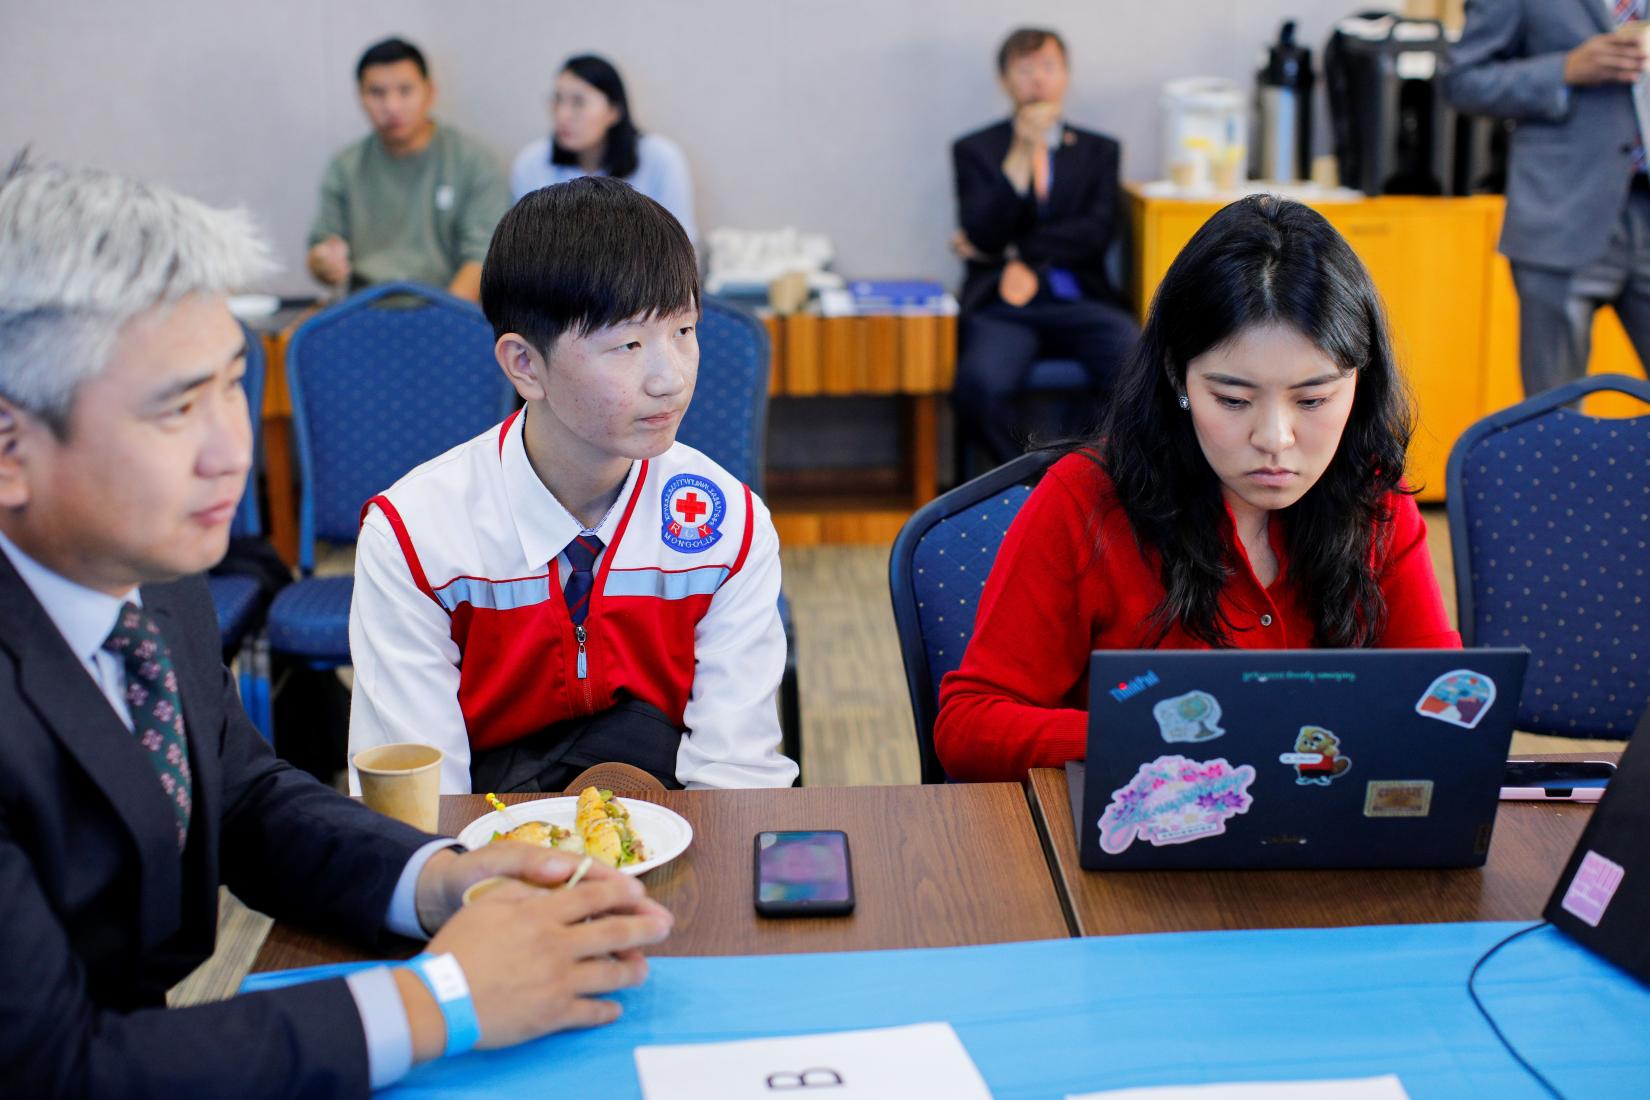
(85,618)
(543,523)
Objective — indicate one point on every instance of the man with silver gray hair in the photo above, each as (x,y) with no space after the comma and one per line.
(131,781)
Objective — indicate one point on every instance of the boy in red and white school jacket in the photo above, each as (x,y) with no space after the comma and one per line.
(574,586)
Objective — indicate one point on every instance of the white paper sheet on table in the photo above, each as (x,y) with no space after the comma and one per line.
(1359,1088)
(892,1063)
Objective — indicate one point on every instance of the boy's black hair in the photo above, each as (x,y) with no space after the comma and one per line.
(582,255)
(388,52)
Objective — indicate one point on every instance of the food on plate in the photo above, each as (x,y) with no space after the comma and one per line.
(542,833)
(601,828)
(604,824)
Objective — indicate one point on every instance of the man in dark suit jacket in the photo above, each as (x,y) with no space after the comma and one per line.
(1037,202)
(131,781)
(1578,201)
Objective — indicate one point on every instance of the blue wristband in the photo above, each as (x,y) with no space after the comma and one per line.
(444,978)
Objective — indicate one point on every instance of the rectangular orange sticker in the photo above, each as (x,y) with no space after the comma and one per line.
(1398,798)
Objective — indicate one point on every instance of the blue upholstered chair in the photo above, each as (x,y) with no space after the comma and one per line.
(380,382)
(936,572)
(1549,514)
(235,597)
(728,420)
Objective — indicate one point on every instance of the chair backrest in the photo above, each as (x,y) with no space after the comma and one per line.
(936,572)
(1549,515)
(1119,258)
(248,523)
(382,381)
(728,419)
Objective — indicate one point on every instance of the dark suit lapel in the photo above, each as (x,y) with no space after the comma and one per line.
(1601,15)
(73,710)
(1068,174)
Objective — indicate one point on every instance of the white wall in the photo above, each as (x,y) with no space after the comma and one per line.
(832,114)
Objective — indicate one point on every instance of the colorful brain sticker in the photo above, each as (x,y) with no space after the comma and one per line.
(1459,698)
(1194,716)
(1173,800)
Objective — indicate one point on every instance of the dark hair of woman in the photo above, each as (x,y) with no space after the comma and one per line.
(619,150)
(1261,261)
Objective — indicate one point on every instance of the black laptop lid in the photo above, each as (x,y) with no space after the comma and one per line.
(1295,758)
(1603,897)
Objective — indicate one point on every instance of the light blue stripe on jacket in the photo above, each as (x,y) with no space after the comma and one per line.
(494,595)
(665,586)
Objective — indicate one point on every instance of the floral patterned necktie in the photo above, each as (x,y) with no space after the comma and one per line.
(157,711)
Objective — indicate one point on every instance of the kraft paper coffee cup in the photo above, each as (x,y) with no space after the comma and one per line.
(1637,32)
(402,781)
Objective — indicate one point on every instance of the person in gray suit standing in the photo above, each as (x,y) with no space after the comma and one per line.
(1577,228)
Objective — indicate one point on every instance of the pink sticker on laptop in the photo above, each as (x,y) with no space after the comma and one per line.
(1173,800)
(1593,887)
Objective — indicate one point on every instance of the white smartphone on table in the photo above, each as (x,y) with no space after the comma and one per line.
(1561,780)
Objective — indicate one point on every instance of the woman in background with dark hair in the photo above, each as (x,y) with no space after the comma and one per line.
(593,134)
(1245,493)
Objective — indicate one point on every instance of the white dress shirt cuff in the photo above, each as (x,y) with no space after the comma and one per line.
(402,918)
(384,1021)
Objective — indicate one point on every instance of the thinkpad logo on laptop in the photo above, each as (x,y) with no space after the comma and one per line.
(1135,686)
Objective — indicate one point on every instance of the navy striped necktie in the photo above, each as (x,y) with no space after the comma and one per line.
(581,559)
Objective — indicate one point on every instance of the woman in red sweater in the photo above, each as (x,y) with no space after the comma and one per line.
(1244,493)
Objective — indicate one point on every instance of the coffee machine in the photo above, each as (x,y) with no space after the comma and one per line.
(1395,132)
(1283,110)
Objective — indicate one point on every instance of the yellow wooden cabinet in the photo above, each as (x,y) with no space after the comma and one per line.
(1449,299)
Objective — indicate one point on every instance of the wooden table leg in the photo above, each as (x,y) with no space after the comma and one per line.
(283,502)
(279,470)
(925,448)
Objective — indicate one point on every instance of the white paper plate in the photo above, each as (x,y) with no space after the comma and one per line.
(664,833)
(250,307)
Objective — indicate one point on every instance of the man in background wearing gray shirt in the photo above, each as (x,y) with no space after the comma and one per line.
(414,200)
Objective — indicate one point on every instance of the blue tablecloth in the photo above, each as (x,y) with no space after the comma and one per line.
(1045,1019)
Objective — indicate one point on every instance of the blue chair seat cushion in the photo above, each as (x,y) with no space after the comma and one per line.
(311,618)
(236,600)
(1057,374)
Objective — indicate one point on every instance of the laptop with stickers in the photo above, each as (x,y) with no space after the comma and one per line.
(1602,899)
(1294,758)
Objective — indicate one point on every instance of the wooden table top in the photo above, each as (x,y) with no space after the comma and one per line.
(1531,844)
(936,866)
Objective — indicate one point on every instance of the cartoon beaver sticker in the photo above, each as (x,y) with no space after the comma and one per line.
(1327,761)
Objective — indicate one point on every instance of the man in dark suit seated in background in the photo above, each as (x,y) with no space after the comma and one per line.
(1037,200)
(130,778)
